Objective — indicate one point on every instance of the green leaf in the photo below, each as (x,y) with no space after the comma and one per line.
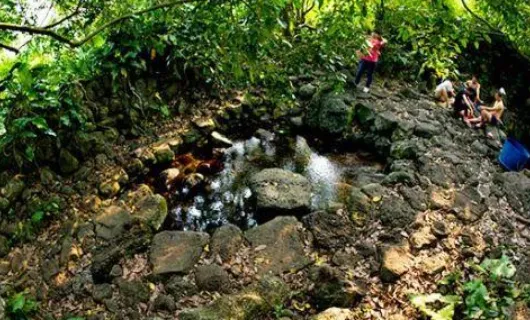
(17,302)
(499,268)
(445,313)
(30,153)
(40,123)
(37,216)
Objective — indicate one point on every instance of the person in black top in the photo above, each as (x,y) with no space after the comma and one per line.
(463,106)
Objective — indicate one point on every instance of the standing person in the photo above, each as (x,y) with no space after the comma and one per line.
(444,92)
(369,61)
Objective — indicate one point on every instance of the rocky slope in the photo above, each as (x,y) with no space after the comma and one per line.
(441,201)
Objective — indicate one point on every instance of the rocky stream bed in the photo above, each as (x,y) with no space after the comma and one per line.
(338,209)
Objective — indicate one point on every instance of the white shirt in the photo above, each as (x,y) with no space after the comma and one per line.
(447,85)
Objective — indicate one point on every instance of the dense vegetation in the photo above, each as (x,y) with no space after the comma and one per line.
(53,48)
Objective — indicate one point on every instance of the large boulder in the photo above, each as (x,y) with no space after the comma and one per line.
(330,230)
(330,114)
(333,290)
(151,209)
(212,278)
(279,191)
(226,241)
(396,262)
(385,123)
(147,207)
(281,244)
(176,251)
(112,221)
(251,303)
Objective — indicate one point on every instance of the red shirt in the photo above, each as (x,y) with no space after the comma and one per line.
(375,51)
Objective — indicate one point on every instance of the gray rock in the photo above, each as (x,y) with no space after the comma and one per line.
(4,247)
(426,130)
(226,241)
(396,177)
(330,230)
(395,213)
(176,251)
(468,204)
(330,114)
(284,245)
(101,292)
(405,149)
(111,222)
(416,197)
(364,114)
(253,302)
(516,187)
(385,123)
(151,209)
(212,278)
(180,287)
(307,91)
(165,303)
(134,292)
(479,147)
(331,290)
(67,162)
(280,191)
(302,154)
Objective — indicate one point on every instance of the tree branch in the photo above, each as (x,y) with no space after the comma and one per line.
(496,30)
(35,30)
(68,17)
(78,43)
(45,31)
(476,16)
(9,48)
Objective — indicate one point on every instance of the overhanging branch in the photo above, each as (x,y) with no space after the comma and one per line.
(68,17)
(46,31)
(496,31)
(9,48)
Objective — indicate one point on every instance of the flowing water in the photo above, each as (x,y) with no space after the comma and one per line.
(224,195)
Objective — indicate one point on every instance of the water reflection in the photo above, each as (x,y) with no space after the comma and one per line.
(225,196)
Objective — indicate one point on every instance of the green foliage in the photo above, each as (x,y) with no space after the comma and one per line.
(489,293)
(21,307)
(28,228)
(223,44)
(446,312)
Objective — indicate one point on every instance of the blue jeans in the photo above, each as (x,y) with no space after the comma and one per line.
(369,68)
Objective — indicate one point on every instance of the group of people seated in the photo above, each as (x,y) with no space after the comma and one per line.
(468,105)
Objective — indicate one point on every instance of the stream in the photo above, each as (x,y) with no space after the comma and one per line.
(206,194)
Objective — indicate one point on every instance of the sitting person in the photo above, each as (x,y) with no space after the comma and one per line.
(444,92)
(494,113)
(463,106)
(474,84)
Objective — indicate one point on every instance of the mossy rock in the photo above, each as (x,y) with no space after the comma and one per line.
(248,304)
(67,162)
